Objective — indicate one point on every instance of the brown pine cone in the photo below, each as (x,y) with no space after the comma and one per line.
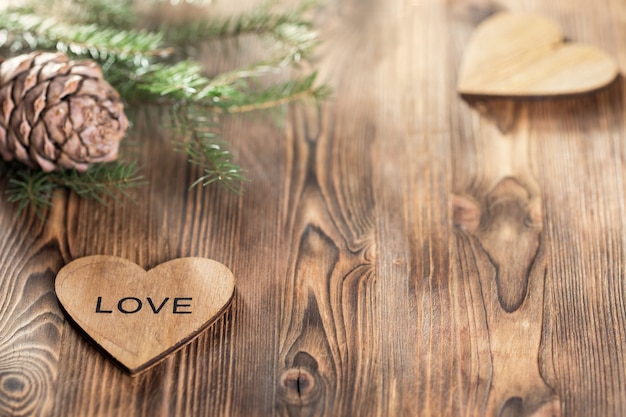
(58,114)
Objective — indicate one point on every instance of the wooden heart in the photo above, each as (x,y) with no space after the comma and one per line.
(516,54)
(139,317)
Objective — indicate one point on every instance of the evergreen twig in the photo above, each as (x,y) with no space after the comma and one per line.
(110,180)
(184,83)
(27,187)
(300,89)
(260,22)
(140,64)
(118,14)
(30,31)
(203,147)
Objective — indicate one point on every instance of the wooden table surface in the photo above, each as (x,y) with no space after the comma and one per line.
(402,252)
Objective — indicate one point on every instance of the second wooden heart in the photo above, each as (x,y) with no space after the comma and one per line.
(516,54)
(140,317)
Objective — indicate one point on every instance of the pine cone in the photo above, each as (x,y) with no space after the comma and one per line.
(58,114)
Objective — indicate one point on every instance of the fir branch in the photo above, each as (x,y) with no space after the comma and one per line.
(300,50)
(169,84)
(100,181)
(260,22)
(301,89)
(133,62)
(30,188)
(32,31)
(293,39)
(184,83)
(204,149)
(118,14)
(216,162)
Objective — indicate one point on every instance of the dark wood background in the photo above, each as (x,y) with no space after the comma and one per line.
(403,251)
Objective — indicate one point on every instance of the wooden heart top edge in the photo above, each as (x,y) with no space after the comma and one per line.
(84,261)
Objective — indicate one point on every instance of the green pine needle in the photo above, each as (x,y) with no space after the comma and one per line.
(262,21)
(27,187)
(142,66)
(182,81)
(100,181)
(203,147)
(216,162)
(35,32)
(118,14)
(300,89)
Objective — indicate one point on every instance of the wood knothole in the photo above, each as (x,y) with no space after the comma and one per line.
(301,383)
(507,224)
(519,407)
(298,386)
(13,384)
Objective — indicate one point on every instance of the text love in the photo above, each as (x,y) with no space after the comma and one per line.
(132,305)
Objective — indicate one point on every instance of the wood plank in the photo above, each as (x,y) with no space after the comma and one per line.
(402,252)
(583,183)
(501,248)
(412,184)
(325,304)
(544,152)
(31,325)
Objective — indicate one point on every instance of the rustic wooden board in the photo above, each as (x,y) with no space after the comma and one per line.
(401,252)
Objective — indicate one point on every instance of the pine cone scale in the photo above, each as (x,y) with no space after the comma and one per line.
(49,150)
(61,87)
(88,69)
(77,111)
(29,80)
(16,123)
(74,146)
(11,68)
(24,82)
(58,114)
(24,130)
(36,99)
(53,69)
(37,96)
(41,58)
(7,104)
(20,152)
(3,145)
(54,121)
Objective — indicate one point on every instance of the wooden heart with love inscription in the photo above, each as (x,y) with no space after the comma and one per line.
(516,54)
(139,317)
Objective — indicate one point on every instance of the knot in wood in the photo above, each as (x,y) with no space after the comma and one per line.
(18,389)
(298,386)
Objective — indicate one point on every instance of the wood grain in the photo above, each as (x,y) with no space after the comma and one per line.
(32,324)
(403,251)
(500,248)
